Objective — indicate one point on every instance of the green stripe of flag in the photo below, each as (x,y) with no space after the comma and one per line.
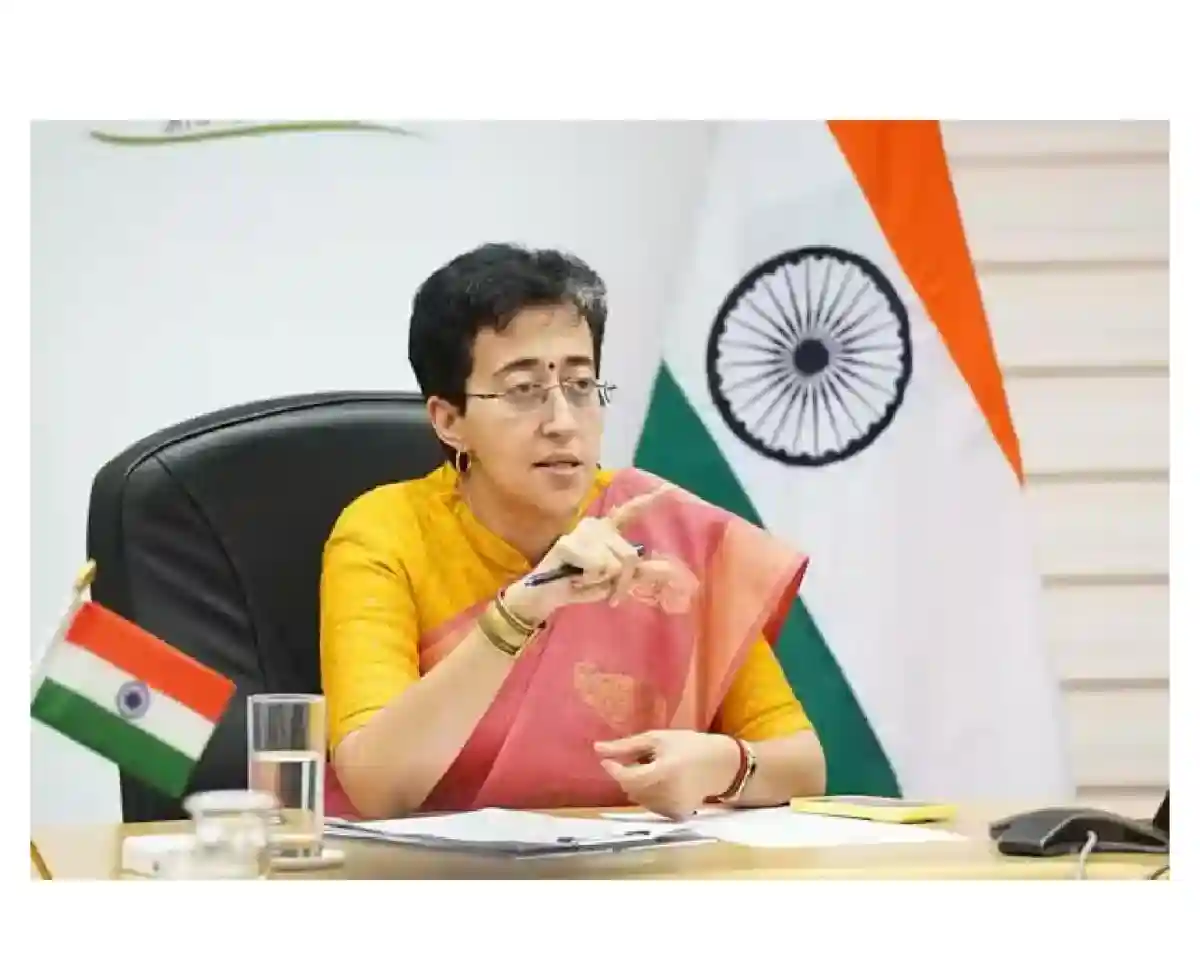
(675,445)
(135,751)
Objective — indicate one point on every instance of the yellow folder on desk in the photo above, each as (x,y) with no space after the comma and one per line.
(884,809)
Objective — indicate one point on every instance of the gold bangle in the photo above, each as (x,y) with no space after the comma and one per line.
(518,623)
(500,633)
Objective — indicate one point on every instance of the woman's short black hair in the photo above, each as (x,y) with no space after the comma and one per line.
(483,289)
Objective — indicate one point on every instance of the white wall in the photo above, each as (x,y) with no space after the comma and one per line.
(169,281)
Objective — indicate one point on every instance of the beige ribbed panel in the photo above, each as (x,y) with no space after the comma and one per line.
(1068,224)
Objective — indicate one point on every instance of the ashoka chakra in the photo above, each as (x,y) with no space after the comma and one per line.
(133,699)
(810,356)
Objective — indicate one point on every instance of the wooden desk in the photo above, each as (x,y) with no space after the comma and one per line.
(95,853)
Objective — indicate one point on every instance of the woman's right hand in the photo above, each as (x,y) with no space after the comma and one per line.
(610,566)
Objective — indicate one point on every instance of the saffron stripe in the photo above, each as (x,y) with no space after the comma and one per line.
(902,170)
(138,652)
(130,748)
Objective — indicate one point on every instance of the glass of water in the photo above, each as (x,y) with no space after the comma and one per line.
(286,755)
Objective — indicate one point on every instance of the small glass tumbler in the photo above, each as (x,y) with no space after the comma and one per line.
(286,758)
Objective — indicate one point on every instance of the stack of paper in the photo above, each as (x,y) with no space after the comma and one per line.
(515,833)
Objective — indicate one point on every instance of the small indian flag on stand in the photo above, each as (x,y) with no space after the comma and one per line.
(125,694)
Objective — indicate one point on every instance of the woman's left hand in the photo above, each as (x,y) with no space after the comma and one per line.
(671,772)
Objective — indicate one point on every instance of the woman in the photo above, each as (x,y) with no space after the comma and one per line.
(457,679)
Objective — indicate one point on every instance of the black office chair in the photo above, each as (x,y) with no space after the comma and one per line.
(209,534)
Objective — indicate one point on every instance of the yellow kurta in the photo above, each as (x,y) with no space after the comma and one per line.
(405,558)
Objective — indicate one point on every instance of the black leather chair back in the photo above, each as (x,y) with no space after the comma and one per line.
(209,534)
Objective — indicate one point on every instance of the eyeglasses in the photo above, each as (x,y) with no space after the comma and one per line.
(583,393)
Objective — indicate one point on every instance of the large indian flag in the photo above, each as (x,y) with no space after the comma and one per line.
(830,375)
(127,695)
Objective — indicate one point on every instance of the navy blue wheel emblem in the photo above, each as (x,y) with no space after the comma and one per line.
(133,699)
(810,356)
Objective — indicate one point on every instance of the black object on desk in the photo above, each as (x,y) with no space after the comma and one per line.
(1053,831)
(1162,819)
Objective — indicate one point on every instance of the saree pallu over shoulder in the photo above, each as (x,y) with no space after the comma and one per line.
(598,672)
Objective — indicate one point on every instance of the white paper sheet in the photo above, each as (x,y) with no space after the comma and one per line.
(499,828)
(783,827)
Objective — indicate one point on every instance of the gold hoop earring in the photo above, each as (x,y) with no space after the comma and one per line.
(462,462)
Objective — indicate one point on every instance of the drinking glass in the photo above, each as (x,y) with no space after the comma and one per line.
(286,757)
(229,840)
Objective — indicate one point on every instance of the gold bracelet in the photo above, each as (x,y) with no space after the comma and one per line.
(518,623)
(500,633)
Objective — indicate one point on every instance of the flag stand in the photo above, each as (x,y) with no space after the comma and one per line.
(82,583)
(38,861)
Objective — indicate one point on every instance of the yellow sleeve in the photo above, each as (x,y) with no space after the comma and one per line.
(760,704)
(369,630)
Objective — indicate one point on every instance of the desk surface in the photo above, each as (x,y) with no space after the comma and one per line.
(94,852)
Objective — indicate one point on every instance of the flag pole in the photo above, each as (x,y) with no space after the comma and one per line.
(38,861)
(83,583)
(85,578)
